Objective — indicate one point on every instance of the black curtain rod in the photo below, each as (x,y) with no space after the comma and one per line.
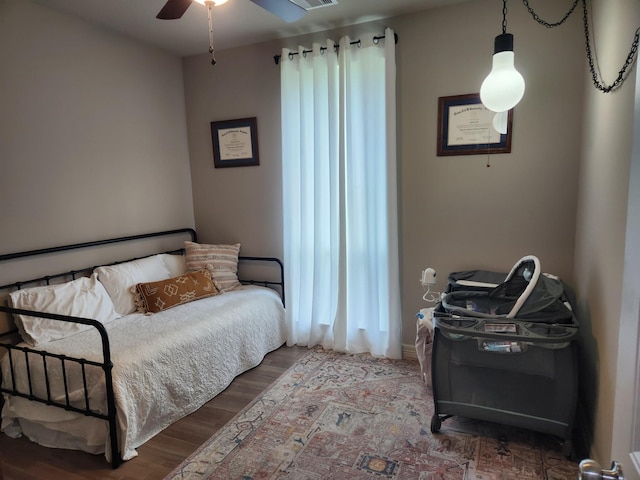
(376,39)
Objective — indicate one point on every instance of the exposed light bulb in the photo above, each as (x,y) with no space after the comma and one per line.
(500,121)
(504,86)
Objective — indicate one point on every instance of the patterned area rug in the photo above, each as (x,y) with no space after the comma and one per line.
(336,416)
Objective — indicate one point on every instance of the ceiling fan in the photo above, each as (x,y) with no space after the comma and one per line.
(285,9)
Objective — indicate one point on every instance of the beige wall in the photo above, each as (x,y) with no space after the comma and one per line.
(94,133)
(93,140)
(455,212)
(237,204)
(602,216)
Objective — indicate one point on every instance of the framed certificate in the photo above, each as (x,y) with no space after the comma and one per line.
(465,127)
(235,143)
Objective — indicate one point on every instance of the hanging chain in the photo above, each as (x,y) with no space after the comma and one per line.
(623,71)
(592,64)
(547,24)
(504,16)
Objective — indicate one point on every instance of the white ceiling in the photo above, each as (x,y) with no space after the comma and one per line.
(236,23)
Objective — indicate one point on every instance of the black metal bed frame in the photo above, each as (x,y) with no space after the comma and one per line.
(9,347)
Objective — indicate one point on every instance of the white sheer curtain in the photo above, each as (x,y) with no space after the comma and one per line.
(339,196)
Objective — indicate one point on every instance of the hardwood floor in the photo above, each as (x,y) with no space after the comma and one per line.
(21,459)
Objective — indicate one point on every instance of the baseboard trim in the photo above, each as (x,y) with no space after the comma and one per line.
(409,352)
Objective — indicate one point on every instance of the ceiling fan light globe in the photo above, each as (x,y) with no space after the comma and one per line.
(216,3)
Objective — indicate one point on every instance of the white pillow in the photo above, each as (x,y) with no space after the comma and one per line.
(174,263)
(118,279)
(84,297)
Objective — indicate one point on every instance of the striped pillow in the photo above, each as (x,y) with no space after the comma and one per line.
(220,260)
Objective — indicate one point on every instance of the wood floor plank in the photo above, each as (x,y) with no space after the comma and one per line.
(21,459)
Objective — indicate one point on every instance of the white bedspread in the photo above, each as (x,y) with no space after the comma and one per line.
(166,366)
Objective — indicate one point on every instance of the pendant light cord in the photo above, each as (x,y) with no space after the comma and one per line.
(597,82)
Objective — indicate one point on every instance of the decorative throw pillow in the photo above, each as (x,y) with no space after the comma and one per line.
(84,297)
(220,260)
(153,297)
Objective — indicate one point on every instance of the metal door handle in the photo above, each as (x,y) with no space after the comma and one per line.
(591,470)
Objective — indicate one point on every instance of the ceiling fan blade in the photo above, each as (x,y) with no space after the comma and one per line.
(285,9)
(173,9)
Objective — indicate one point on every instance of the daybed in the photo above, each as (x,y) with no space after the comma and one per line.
(109,381)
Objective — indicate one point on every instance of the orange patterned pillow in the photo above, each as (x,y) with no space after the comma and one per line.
(153,297)
(221,260)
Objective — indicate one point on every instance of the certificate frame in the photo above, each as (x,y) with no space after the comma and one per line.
(472,132)
(235,142)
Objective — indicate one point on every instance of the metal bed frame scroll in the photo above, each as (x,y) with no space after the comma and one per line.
(9,347)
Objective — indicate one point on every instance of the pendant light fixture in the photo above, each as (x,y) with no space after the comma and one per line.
(504,86)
